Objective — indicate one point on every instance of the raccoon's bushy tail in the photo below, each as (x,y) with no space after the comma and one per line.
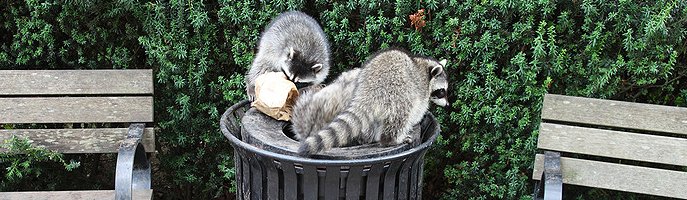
(346,127)
(303,116)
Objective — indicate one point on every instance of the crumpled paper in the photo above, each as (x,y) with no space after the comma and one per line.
(275,95)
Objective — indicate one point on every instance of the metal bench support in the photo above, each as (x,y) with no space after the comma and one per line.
(553,184)
(133,167)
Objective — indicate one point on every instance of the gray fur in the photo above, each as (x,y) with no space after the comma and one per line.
(315,109)
(392,94)
(294,43)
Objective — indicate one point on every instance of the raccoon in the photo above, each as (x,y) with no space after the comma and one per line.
(294,44)
(315,109)
(392,94)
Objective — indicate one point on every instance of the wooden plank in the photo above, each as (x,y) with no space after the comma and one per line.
(82,194)
(53,82)
(101,140)
(620,177)
(611,113)
(615,144)
(76,109)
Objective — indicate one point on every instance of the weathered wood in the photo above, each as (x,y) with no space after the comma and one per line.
(53,82)
(76,109)
(620,177)
(63,195)
(614,144)
(100,140)
(610,113)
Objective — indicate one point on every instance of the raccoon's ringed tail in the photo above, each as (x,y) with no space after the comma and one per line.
(310,145)
(323,140)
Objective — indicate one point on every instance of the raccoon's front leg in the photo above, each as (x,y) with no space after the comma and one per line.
(250,91)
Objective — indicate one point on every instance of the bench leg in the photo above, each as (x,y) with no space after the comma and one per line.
(553,177)
(133,167)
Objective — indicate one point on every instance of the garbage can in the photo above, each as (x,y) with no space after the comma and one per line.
(266,170)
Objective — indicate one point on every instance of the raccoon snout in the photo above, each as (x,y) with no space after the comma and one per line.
(443,102)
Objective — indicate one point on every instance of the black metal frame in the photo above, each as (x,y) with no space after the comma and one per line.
(133,167)
(552,178)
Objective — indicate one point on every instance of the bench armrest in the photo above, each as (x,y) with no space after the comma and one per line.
(553,177)
(133,167)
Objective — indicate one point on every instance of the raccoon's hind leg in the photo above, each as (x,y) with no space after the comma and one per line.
(396,131)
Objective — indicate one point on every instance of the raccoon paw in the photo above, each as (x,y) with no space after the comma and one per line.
(251,94)
(408,140)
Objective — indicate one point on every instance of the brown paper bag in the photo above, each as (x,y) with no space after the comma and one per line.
(275,95)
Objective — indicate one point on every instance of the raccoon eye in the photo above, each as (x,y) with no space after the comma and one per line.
(440,93)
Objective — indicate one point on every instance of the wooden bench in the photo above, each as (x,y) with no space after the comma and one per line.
(84,96)
(632,147)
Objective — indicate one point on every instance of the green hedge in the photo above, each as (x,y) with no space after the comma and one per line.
(503,56)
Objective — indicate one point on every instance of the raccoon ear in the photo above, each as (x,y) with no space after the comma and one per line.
(436,70)
(443,62)
(317,67)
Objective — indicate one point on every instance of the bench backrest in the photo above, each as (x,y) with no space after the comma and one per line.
(76,96)
(616,145)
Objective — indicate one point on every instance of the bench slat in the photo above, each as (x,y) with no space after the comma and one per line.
(76,109)
(100,140)
(611,113)
(615,144)
(620,177)
(82,194)
(52,82)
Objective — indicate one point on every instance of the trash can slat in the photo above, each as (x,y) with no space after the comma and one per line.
(265,171)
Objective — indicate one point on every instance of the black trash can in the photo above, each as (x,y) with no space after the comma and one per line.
(273,171)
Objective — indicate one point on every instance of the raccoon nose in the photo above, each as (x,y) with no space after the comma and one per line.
(300,85)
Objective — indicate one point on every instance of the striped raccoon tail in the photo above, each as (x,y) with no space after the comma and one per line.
(341,131)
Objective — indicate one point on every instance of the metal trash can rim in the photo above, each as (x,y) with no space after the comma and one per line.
(237,143)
